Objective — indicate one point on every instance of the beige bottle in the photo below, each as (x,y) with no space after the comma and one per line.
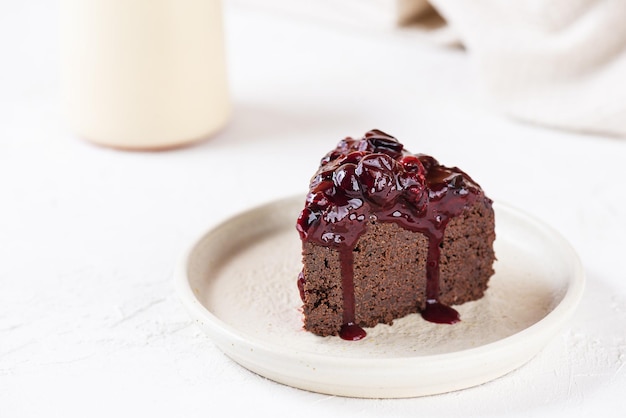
(143,74)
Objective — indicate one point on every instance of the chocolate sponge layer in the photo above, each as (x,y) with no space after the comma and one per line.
(390,271)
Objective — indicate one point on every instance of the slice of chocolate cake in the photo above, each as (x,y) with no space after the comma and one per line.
(386,233)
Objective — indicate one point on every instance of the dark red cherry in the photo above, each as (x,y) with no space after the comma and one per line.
(331,156)
(417,196)
(346,179)
(411,164)
(378,181)
(427,161)
(384,143)
(456,181)
(406,180)
(323,185)
(354,157)
(413,171)
(318,200)
(305,220)
(301,284)
(345,144)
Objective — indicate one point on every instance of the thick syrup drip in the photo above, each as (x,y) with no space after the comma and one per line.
(439,313)
(435,311)
(301,284)
(376,178)
(350,330)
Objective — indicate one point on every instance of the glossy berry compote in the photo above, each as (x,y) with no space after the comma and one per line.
(375,178)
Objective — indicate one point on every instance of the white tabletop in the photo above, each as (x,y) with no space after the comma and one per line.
(89,236)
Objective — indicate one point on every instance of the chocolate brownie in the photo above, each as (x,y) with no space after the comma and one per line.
(386,233)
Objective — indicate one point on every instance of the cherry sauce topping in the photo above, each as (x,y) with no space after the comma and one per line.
(376,176)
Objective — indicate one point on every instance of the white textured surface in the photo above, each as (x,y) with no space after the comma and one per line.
(89,236)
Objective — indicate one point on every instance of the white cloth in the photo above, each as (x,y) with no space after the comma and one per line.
(560,63)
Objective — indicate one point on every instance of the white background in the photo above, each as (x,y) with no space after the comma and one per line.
(89,236)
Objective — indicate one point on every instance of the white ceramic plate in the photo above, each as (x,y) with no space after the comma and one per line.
(238,281)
